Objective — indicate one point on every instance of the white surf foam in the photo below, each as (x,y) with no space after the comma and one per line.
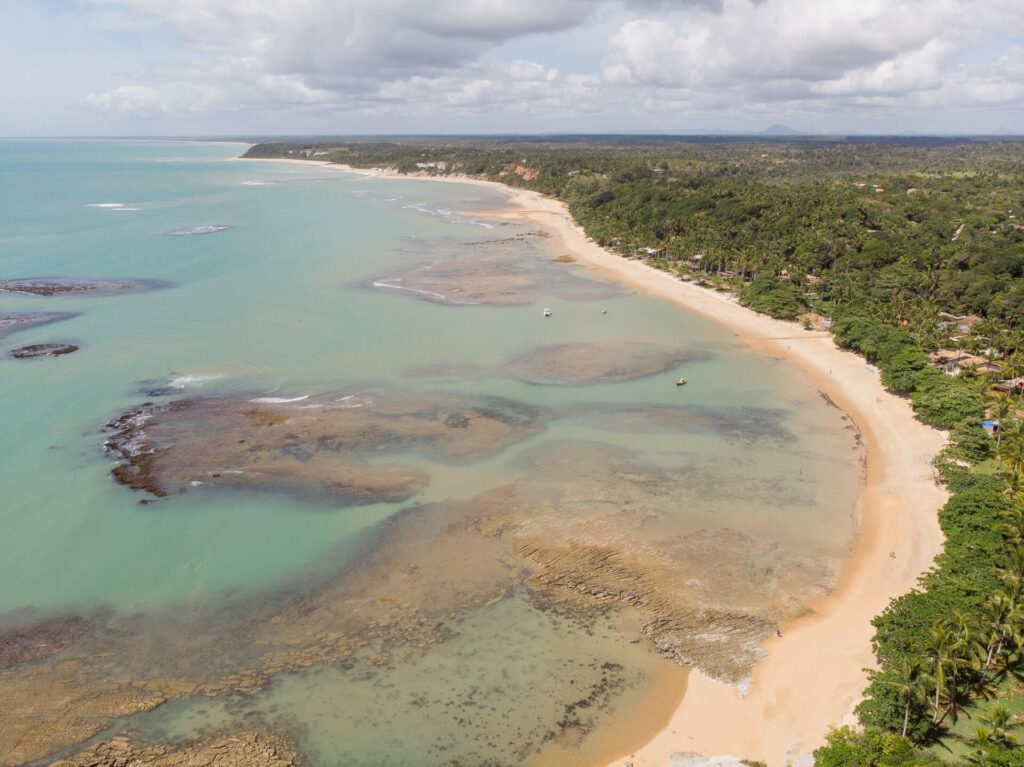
(448,215)
(205,229)
(390,283)
(279,400)
(354,400)
(182,382)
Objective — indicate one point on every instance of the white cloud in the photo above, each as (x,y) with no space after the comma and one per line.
(678,59)
(801,40)
(358,43)
(810,54)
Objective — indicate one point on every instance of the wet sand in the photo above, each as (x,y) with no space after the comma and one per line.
(787,711)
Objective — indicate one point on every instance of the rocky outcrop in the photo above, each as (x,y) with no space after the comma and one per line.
(722,643)
(71,286)
(311,448)
(47,637)
(43,350)
(242,749)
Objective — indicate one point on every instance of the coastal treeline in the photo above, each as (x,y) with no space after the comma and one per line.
(951,652)
(912,252)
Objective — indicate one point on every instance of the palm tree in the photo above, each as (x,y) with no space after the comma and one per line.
(1012,525)
(1014,369)
(1000,408)
(939,649)
(908,683)
(981,740)
(1011,451)
(1001,722)
(1013,483)
(1012,575)
(964,628)
(1011,567)
(995,615)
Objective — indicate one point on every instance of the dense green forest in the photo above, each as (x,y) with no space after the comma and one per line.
(909,247)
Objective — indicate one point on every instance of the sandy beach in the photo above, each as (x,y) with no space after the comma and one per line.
(815,672)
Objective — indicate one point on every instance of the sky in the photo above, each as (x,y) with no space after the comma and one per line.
(344,67)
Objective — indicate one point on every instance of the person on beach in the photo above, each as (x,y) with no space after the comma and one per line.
(778,632)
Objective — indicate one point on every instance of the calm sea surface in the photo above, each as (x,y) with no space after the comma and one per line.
(747,461)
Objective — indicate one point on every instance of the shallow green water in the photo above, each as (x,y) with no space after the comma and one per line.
(281,304)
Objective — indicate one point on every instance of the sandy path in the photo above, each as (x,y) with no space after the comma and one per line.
(814,675)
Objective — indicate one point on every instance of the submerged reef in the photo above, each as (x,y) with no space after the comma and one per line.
(313,448)
(746,423)
(229,749)
(589,363)
(580,534)
(77,286)
(12,322)
(43,350)
(589,522)
(509,272)
(575,364)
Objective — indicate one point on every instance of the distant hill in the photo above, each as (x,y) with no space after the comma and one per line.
(780,130)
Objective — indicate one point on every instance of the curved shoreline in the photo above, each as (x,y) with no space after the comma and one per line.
(815,673)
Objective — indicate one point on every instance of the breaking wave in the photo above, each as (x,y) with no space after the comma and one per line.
(205,229)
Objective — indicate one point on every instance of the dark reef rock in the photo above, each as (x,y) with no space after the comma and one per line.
(78,286)
(46,637)
(319,448)
(43,350)
(228,749)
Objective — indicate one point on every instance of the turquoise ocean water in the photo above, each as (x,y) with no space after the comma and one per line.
(281,304)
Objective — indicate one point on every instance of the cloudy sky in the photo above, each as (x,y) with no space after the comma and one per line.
(202,67)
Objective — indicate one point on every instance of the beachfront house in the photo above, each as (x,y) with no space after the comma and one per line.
(953,363)
(961,323)
(816,321)
(1010,385)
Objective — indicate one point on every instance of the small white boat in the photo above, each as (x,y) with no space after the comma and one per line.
(547,312)
(604,311)
(680,382)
